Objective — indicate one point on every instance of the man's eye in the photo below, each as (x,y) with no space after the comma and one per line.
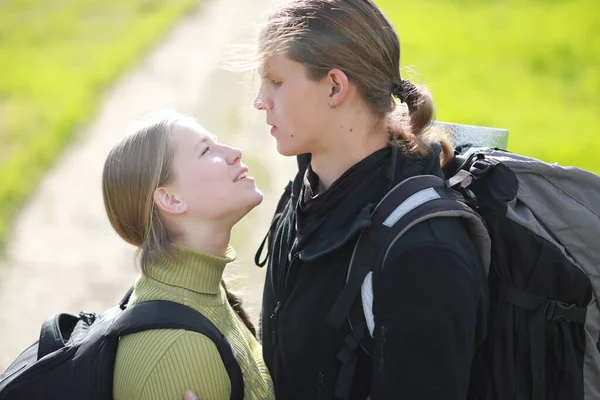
(271,81)
(206,150)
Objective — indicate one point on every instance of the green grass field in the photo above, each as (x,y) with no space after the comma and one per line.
(57,58)
(532,66)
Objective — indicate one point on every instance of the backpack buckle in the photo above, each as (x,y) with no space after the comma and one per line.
(480,167)
(558,311)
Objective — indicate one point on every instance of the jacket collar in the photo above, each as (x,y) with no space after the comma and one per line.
(353,214)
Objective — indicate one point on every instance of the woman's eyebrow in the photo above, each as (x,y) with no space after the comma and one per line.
(203,139)
(200,141)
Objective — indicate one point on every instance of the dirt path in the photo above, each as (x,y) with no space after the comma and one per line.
(63,255)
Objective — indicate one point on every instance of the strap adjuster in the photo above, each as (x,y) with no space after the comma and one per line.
(558,311)
(348,349)
(480,167)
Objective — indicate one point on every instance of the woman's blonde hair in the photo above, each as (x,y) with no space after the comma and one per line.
(133,170)
(355,36)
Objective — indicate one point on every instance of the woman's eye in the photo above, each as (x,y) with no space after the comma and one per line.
(206,150)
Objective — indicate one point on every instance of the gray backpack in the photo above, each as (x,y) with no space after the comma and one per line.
(544,271)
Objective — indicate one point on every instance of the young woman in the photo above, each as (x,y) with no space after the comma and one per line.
(174,192)
(331,74)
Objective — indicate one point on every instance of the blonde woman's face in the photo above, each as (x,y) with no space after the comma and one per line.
(297,107)
(209,177)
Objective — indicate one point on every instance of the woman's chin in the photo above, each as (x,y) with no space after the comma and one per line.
(251,201)
(257,198)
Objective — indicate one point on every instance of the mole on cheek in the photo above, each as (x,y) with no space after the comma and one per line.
(351,129)
(292,135)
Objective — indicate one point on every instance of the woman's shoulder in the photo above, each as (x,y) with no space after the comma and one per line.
(166,361)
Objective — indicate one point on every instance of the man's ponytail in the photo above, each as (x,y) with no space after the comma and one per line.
(416,135)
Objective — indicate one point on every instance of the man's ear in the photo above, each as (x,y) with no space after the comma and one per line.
(339,86)
(168,202)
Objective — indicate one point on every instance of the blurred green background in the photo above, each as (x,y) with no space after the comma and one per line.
(57,57)
(532,66)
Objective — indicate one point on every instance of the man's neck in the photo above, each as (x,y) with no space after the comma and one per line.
(332,164)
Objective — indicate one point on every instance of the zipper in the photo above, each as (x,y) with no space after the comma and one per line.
(274,317)
(279,282)
(274,313)
(382,344)
(88,318)
(286,272)
(320,386)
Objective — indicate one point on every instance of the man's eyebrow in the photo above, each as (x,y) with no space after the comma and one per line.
(262,71)
(265,73)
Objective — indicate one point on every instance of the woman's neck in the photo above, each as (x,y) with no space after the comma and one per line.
(206,238)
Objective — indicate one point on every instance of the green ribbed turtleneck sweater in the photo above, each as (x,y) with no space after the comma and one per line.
(162,364)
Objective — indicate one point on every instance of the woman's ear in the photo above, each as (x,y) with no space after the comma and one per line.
(168,202)
(338,86)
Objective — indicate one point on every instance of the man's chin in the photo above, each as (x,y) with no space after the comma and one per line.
(287,151)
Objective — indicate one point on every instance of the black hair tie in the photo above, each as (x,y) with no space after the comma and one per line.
(406,91)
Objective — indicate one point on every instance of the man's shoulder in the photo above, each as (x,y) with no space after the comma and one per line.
(439,233)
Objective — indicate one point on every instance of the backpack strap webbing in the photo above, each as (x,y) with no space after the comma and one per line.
(544,310)
(160,314)
(408,203)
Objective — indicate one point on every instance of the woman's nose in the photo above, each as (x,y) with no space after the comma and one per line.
(234,155)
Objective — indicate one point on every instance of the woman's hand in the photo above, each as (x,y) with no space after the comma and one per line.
(189,395)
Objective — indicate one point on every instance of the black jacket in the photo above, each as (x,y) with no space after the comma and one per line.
(430,301)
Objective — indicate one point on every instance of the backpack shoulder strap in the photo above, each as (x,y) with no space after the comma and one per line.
(160,314)
(410,202)
(431,198)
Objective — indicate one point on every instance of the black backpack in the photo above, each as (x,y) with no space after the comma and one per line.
(544,271)
(75,355)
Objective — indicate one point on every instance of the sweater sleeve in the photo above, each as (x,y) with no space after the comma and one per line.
(191,362)
(428,304)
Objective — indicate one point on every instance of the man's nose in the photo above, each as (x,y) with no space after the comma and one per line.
(259,103)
